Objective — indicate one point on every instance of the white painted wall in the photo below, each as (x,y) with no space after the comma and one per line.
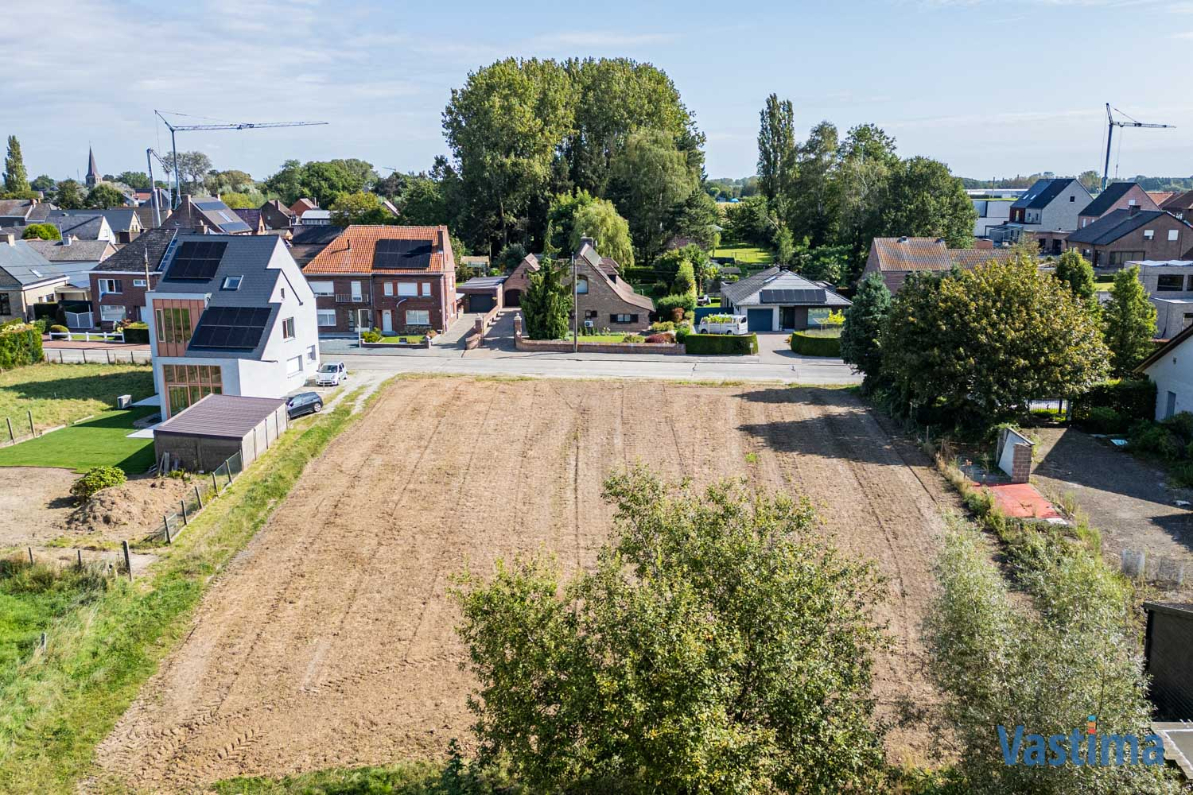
(1174,373)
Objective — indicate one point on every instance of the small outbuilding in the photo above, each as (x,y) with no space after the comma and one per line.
(482,293)
(217,428)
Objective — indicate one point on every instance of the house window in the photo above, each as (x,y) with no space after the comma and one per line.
(1072,199)
(408,288)
(232,283)
(1120,258)
(1149,234)
(357,295)
(591,314)
(623,318)
(5,304)
(173,325)
(418,317)
(1168,284)
(327,318)
(311,355)
(186,384)
(288,328)
(1174,235)
(426,288)
(110,286)
(294,365)
(389,288)
(139,283)
(581,285)
(1130,202)
(323,288)
(112,314)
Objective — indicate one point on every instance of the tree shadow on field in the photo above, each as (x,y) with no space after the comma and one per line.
(842,427)
(1078,458)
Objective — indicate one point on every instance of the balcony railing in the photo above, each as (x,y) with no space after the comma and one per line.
(352,298)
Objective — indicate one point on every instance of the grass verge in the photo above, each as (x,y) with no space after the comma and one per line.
(454,777)
(745,255)
(102,441)
(62,703)
(59,394)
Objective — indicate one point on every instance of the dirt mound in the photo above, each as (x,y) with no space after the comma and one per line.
(128,511)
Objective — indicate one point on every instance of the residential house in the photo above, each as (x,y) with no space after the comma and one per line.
(896,258)
(315,217)
(301,206)
(1169,285)
(230,314)
(84,227)
(26,278)
(252,218)
(75,258)
(120,282)
(1049,205)
(276,215)
(603,298)
(991,212)
(123,221)
(22,212)
(1180,205)
(396,278)
(1117,196)
(206,212)
(306,242)
(1159,197)
(516,285)
(1121,236)
(777,299)
(482,293)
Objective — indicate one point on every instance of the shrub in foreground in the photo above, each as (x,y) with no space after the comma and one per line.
(720,645)
(720,344)
(813,345)
(96,479)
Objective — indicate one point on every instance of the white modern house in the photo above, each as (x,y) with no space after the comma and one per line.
(233,315)
(1171,368)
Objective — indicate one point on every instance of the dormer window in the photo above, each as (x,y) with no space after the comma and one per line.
(231,282)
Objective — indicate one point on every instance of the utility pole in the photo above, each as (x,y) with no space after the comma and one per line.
(1112,123)
(575,309)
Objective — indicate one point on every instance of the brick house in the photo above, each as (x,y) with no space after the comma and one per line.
(276,215)
(515,286)
(603,297)
(119,283)
(1180,205)
(896,258)
(1121,236)
(1049,205)
(392,278)
(1117,196)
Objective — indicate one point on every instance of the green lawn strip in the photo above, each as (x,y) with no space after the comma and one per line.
(411,339)
(604,338)
(745,255)
(60,705)
(59,394)
(416,778)
(102,441)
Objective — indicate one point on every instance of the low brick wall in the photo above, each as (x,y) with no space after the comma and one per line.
(560,346)
(424,344)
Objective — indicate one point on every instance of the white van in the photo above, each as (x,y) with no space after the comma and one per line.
(723,324)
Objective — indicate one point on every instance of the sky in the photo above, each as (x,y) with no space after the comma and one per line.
(991,87)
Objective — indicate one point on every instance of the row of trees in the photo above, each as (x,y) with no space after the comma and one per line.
(840,193)
(974,347)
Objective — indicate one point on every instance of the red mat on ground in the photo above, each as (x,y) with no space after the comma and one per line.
(1022,501)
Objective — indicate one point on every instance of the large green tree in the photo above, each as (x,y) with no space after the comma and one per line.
(812,209)
(359,208)
(777,151)
(866,159)
(137,180)
(547,302)
(651,177)
(103,196)
(719,645)
(979,345)
(925,200)
(864,321)
(16,181)
(1078,275)
(1129,320)
(599,220)
(41,232)
(44,183)
(69,195)
(421,202)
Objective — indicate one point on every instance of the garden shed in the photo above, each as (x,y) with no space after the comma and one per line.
(219,427)
(483,293)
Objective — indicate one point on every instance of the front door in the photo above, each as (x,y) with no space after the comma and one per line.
(787,314)
(1170,409)
(387,321)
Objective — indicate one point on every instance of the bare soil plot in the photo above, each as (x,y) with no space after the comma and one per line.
(330,640)
(1128,500)
(34,504)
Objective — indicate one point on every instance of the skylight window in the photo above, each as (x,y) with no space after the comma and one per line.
(232,282)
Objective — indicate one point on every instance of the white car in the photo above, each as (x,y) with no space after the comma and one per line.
(723,324)
(331,374)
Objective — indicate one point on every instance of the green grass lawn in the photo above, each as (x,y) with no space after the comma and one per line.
(746,255)
(96,442)
(828,331)
(1103,285)
(412,339)
(59,394)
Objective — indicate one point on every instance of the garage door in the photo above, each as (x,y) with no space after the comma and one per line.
(480,303)
(759,319)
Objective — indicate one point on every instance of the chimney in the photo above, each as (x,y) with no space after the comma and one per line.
(66,241)
(12,239)
(1133,210)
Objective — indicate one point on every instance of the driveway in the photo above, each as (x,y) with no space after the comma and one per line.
(1128,500)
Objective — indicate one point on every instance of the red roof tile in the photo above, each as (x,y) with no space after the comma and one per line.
(352,251)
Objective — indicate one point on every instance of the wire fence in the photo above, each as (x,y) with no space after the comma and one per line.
(96,356)
(1156,569)
(204,489)
(18,430)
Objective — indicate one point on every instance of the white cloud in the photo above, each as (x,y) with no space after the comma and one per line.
(607,38)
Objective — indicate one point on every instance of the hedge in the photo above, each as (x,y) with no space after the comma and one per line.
(1131,398)
(48,310)
(810,345)
(137,335)
(19,345)
(721,344)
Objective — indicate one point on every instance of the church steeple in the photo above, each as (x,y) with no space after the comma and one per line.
(92,171)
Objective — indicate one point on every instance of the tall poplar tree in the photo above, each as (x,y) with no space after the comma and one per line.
(15,178)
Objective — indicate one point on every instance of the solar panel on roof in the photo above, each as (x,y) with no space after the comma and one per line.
(196,261)
(230,328)
(402,254)
(792,296)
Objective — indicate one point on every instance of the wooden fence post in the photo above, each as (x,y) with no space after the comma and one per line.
(198,496)
(11,436)
(30,556)
(29,414)
(215,484)
(185,521)
(84,356)
(166,525)
(80,552)
(128,558)
(60,356)
(108,355)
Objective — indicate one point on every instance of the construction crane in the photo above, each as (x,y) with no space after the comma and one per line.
(1112,123)
(177,128)
(157,210)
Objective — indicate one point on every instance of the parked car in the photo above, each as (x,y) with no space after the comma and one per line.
(304,403)
(723,324)
(331,374)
